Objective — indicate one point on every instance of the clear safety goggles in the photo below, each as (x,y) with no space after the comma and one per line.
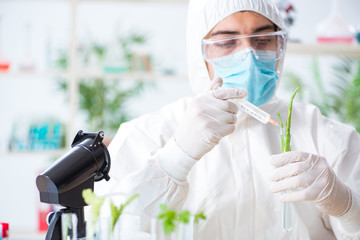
(214,48)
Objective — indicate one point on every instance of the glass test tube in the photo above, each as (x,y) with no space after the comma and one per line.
(287,216)
(254,111)
(286,206)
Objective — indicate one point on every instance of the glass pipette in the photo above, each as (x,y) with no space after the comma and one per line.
(254,111)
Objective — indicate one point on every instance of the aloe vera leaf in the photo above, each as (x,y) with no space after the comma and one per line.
(288,124)
(116,212)
(282,136)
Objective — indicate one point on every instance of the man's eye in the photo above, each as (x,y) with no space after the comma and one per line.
(263,40)
(226,44)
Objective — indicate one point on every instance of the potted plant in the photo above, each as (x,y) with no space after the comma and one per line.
(343,103)
(103,101)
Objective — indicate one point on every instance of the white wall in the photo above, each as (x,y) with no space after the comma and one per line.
(31,97)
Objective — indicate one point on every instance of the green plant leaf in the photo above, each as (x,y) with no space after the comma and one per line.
(293,80)
(117,211)
(285,137)
(184,216)
(168,218)
(169,226)
(95,204)
(198,217)
(342,102)
(103,101)
(171,218)
(115,214)
(324,102)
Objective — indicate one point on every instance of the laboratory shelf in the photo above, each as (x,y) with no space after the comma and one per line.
(36,74)
(27,235)
(93,75)
(31,154)
(131,1)
(132,76)
(138,1)
(323,49)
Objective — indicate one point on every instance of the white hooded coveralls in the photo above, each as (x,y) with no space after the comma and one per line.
(230,183)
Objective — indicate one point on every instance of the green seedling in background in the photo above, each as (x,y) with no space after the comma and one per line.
(172,218)
(169,218)
(199,216)
(95,204)
(338,96)
(286,136)
(116,212)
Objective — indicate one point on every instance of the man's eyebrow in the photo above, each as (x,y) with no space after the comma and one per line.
(263,28)
(256,30)
(225,32)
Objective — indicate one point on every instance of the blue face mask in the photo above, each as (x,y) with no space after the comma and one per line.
(243,70)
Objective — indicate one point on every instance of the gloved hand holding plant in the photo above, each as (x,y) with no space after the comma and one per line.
(307,177)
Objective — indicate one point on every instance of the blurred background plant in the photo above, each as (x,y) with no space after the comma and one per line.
(343,102)
(103,99)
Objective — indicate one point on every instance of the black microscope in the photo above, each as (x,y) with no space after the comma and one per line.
(63,182)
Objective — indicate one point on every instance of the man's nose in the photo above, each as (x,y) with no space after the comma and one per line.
(245,43)
(247,51)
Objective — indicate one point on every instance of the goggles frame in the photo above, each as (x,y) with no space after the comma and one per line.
(208,42)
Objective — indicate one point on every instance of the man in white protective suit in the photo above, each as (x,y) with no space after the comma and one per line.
(203,154)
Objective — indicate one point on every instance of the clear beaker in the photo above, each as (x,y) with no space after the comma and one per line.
(126,228)
(183,231)
(69,223)
(127,224)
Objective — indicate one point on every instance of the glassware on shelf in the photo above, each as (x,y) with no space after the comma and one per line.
(114,60)
(27,63)
(4,62)
(40,135)
(334,29)
(358,35)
